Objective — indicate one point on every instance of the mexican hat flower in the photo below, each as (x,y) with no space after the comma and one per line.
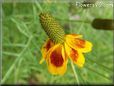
(60,46)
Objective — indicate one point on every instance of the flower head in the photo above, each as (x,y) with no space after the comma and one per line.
(59,47)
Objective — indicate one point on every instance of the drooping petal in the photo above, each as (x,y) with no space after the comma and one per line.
(57,70)
(57,64)
(76,56)
(49,44)
(79,44)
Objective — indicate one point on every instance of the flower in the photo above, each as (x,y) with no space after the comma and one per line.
(59,47)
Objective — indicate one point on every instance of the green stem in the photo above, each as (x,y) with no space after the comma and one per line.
(74,71)
(75,20)
(39,6)
(9,54)
(6,76)
(14,45)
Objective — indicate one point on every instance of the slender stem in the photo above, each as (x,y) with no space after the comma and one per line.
(9,54)
(75,74)
(74,20)
(109,70)
(72,65)
(6,76)
(14,45)
(104,76)
(39,6)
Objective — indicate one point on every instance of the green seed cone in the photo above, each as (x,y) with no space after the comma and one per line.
(52,28)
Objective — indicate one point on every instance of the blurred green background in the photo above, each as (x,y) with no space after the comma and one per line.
(23,38)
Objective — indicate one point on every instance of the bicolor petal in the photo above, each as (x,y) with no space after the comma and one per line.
(79,44)
(57,64)
(49,44)
(76,56)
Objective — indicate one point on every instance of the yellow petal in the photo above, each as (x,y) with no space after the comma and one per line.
(79,44)
(49,44)
(80,60)
(57,70)
(76,56)
(67,49)
(74,36)
(88,47)
(57,64)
